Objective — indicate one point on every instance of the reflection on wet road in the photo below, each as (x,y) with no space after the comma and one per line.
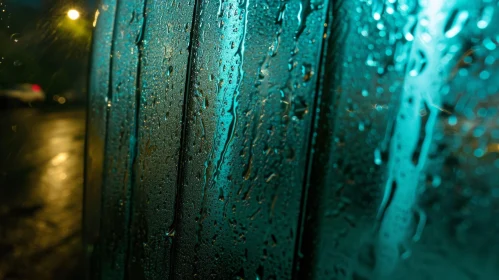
(41,186)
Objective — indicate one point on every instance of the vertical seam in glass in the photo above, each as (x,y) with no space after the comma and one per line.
(296,273)
(180,162)
(133,160)
(109,97)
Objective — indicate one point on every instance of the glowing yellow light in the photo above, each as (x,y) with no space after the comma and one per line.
(96,17)
(73,14)
(59,158)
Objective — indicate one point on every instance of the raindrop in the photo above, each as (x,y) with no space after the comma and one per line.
(307,72)
(15,37)
(479,153)
(484,75)
(170,70)
(17,63)
(377,157)
(409,28)
(300,108)
(380,26)
(364,31)
(291,65)
(221,195)
(418,65)
(377,10)
(436,181)
(370,60)
(426,37)
(489,60)
(489,44)
(455,23)
(404,252)
(486,17)
(390,7)
(361,126)
(170,233)
(452,120)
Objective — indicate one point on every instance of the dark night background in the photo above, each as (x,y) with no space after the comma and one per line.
(42,144)
(40,45)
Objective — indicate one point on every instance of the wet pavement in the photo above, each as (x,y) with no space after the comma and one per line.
(41,188)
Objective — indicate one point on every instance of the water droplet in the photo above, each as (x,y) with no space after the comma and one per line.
(418,64)
(486,17)
(221,195)
(365,31)
(377,157)
(452,120)
(404,252)
(361,126)
(409,28)
(300,108)
(436,181)
(455,23)
(390,9)
(377,9)
(484,75)
(17,63)
(15,37)
(380,26)
(426,37)
(489,44)
(370,61)
(307,72)
(478,131)
(479,152)
(170,233)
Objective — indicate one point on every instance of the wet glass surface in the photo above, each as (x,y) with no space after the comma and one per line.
(247,129)
(414,198)
(312,139)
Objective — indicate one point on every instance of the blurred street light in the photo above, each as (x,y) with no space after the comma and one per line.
(73,14)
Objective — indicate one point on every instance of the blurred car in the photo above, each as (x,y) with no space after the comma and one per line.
(25,93)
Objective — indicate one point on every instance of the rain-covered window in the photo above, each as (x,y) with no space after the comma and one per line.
(246,139)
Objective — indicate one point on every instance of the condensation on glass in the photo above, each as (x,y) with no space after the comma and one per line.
(312,139)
